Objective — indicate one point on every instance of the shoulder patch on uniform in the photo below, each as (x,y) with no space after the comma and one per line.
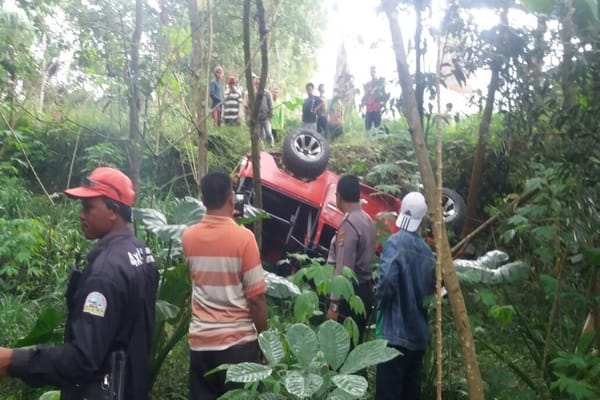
(341,235)
(95,304)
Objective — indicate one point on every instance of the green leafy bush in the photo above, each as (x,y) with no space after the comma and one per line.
(304,364)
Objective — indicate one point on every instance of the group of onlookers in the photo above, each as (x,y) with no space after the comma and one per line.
(320,114)
(228,104)
(326,116)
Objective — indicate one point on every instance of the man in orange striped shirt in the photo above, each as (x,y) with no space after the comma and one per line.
(228,290)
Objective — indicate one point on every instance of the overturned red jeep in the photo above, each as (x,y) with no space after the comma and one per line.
(299,198)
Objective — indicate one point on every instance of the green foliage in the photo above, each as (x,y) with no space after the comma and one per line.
(13,197)
(577,374)
(16,316)
(304,364)
(47,329)
(32,250)
(186,212)
(21,253)
(103,155)
(17,37)
(173,314)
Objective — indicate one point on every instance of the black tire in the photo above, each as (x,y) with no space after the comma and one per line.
(453,210)
(305,153)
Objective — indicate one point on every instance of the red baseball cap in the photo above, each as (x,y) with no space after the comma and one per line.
(105,181)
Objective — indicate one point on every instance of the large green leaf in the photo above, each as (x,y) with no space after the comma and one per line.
(175,285)
(302,385)
(236,394)
(320,274)
(357,305)
(280,287)
(186,212)
(271,347)
(166,311)
(305,305)
(354,385)
(367,354)
(352,329)
(302,342)
(334,343)
(339,394)
(247,372)
(342,287)
(47,329)
(156,222)
(52,395)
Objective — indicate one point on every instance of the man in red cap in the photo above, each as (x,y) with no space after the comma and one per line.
(110,305)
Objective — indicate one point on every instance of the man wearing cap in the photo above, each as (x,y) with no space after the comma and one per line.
(406,279)
(110,305)
(232,103)
(216,95)
(353,247)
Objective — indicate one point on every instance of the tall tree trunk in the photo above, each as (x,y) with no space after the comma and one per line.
(479,157)
(484,131)
(135,138)
(457,304)
(199,96)
(255,99)
(438,221)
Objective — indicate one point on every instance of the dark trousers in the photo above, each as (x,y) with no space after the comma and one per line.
(372,118)
(365,292)
(212,386)
(322,125)
(400,378)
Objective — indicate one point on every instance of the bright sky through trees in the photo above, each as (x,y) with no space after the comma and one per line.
(365,34)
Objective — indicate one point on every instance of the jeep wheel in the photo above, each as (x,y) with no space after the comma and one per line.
(453,209)
(305,153)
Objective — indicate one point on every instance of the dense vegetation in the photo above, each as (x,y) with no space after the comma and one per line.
(62,116)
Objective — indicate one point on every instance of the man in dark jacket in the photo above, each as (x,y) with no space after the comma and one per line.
(406,279)
(110,304)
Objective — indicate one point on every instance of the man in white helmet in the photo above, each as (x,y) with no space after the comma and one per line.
(406,279)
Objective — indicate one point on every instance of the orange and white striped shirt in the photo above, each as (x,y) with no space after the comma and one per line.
(225,270)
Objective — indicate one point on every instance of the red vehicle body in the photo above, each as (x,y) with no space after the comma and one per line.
(303,215)
(299,198)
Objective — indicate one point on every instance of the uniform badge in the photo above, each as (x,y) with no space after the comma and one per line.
(340,237)
(95,304)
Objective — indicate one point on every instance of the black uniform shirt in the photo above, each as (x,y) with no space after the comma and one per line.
(111,307)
